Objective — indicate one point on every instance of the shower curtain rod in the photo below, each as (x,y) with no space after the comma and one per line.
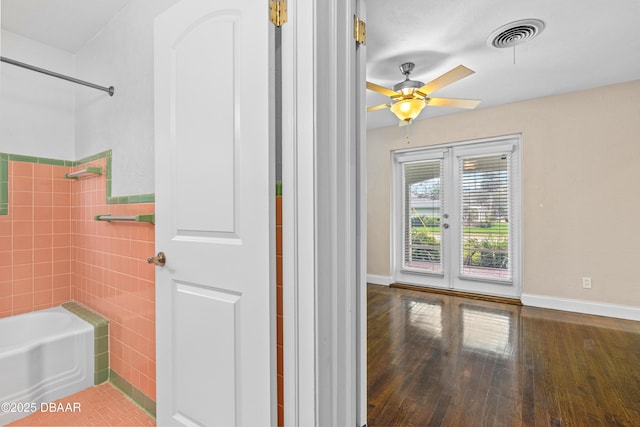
(110,90)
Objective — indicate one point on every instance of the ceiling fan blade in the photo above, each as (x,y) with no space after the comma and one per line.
(453,102)
(381,89)
(378,107)
(446,79)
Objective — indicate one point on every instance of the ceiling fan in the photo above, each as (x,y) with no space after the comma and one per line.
(409,97)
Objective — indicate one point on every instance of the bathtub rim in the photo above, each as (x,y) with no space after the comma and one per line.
(77,323)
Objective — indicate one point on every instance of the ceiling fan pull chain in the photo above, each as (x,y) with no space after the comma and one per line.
(408,140)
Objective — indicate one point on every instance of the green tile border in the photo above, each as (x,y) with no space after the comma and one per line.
(100,339)
(4,184)
(115,200)
(4,173)
(111,200)
(93,157)
(103,371)
(39,160)
(139,398)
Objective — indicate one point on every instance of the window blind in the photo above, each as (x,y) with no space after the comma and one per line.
(422,204)
(485,189)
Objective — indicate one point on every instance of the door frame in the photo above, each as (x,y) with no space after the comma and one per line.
(322,181)
(320,215)
(361,222)
(448,152)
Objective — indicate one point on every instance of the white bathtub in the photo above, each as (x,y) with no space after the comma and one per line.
(44,356)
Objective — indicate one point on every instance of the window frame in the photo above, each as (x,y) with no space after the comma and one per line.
(451,204)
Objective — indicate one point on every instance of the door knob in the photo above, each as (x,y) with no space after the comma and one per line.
(159,260)
(445,225)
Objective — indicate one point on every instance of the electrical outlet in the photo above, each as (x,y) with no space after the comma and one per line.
(586,282)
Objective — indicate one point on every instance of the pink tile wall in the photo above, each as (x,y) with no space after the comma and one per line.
(279,318)
(111,276)
(35,243)
(52,251)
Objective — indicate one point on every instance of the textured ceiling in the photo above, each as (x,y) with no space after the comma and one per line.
(586,44)
(65,24)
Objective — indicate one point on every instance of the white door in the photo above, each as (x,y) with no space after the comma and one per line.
(457,216)
(214,215)
(421,180)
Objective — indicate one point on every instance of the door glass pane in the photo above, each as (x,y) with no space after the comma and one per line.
(422,203)
(485,214)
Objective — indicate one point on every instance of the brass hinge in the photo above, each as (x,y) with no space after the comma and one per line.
(359,30)
(278,12)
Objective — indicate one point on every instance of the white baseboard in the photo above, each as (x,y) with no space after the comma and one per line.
(379,280)
(581,306)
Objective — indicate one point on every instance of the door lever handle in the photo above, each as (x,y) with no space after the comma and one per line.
(159,260)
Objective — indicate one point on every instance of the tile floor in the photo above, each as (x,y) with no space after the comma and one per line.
(102,405)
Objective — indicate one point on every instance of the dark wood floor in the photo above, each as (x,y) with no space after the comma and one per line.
(437,360)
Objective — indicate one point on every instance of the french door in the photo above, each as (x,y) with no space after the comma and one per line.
(456,216)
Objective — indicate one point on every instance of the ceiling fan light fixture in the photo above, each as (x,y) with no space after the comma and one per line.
(409,97)
(408,109)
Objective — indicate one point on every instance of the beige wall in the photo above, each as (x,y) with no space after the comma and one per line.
(581,188)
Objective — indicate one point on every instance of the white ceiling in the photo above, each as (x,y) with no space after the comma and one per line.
(586,43)
(65,24)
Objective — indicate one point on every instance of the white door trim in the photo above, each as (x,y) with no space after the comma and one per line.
(298,216)
(319,213)
(361,222)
